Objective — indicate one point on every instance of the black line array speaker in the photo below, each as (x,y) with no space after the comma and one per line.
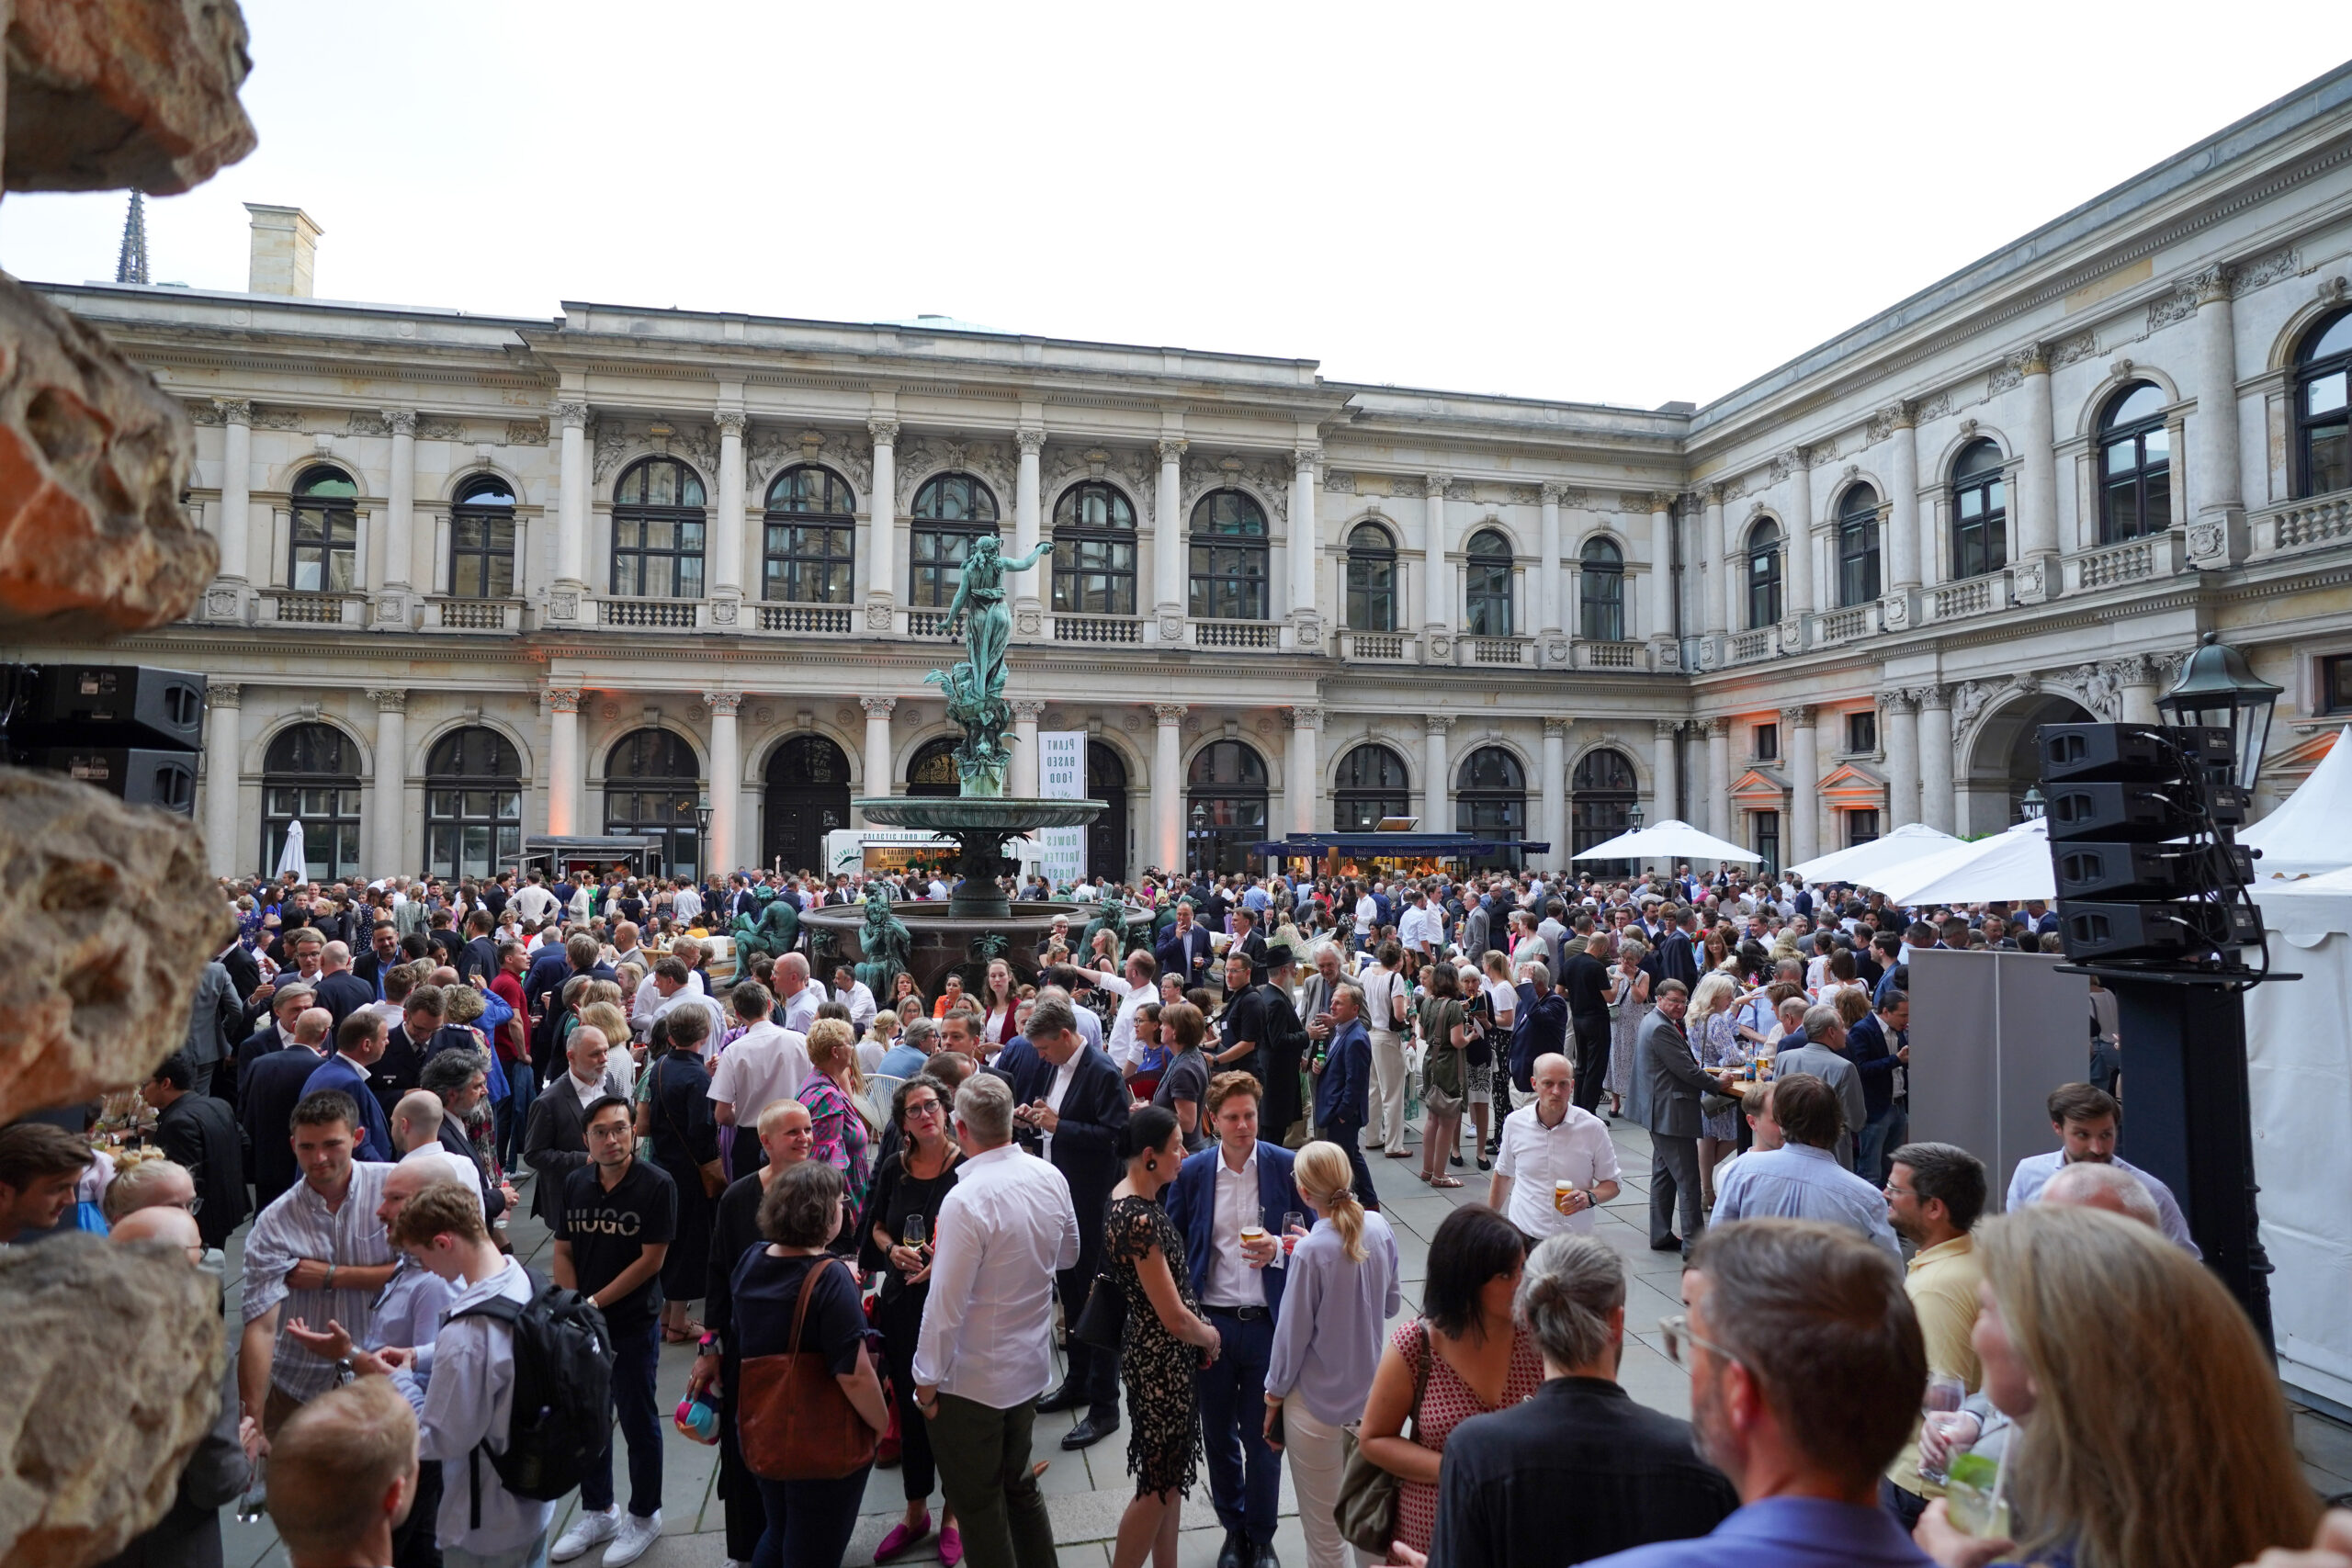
(130,729)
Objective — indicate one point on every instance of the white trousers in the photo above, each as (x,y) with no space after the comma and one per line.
(1388,1089)
(1317,1463)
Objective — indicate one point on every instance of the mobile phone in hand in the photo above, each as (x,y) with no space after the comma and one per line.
(1274,1432)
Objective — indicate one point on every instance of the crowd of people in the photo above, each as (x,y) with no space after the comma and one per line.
(1141,1182)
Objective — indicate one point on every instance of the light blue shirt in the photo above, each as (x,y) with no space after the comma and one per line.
(2034,1172)
(1798,1181)
(901,1061)
(1785,1532)
(409,1313)
(1329,1334)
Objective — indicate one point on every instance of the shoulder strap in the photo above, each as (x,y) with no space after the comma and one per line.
(1421,1376)
(800,1312)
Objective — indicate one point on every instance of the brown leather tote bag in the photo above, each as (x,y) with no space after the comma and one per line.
(791,1416)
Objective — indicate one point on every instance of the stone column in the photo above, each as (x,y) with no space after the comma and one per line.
(391,584)
(1167,552)
(1899,712)
(1554,792)
(563,760)
(1306,548)
(1168,779)
(1718,733)
(726,782)
(1028,527)
(882,524)
(1798,573)
(1804,768)
(1437,572)
(1304,775)
(2215,485)
(236,485)
(1715,553)
(2037,543)
(726,556)
(2137,674)
(1665,771)
(223,754)
(1435,818)
(878,779)
(1024,774)
(571,521)
(1902,478)
(1661,595)
(388,808)
(1937,809)
(1547,586)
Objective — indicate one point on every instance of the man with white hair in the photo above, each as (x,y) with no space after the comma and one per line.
(1817,1056)
(796,995)
(2086,1185)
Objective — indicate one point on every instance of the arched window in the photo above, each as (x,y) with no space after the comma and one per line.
(473,803)
(1979,512)
(1602,793)
(931,770)
(1094,550)
(808,550)
(325,534)
(652,785)
(807,797)
(658,530)
(1486,582)
(1106,836)
(1225,807)
(1490,801)
(2323,420)
(1858,579)
(1229,558)
(311,775)
(482,540)
(1600,590)
(950,511)
(1764,574)
(2134,466)
(1372,579)
(1372,785)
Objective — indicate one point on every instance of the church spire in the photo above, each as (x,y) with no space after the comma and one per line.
(132,266)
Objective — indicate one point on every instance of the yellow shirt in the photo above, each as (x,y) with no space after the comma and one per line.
(1941,1283)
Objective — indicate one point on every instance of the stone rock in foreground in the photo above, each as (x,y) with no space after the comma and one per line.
(93,460)
(111,1364)
(105,94)
(108,916)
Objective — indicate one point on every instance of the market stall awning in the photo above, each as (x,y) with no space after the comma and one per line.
(1863,864)
(1669,840)
(2304,836)
(1395,846)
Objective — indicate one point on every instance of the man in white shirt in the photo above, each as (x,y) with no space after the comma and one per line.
(687,903)
(535,903)
(1367,917)
(2086,1118)
(855,994)
(1546,1143)
(1136,986)
(798,996)
(1422,928)
(764,1064)
(674,981)
(985,1352)
(1387,1018)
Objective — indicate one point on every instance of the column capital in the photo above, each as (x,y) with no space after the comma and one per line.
(1715,729)
(1799,715)
(390,699)
(1666,728)
(1933,697)
(1712,497)
(730,421)
(235,411)
(1436,484)
(2033,359)
(722,705)
(1902,414)
(1031,442)
(223,694)
(561,699)
(1027,709)
(1556,729)
(877,708)
(1306,719)
(1171,448)
(1437,722)
(571,416)
(2133,670)
(885,431)
(1306,455)
(400,421)
(1167,716)
(1899,699)
(2214,285)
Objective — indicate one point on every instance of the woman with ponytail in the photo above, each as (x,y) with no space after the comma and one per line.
(1343,1290)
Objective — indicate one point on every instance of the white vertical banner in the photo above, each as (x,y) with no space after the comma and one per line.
(1061,776)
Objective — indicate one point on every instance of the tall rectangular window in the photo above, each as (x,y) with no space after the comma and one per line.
(1861,733)
(1767,743)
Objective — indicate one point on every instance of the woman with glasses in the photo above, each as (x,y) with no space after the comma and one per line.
(908,1191)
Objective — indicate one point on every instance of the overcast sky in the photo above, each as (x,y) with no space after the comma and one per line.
(1620,204)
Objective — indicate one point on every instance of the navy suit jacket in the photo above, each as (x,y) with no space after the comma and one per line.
(1177,955)
(1086,1141)
(1347,1074)
(1192,1206)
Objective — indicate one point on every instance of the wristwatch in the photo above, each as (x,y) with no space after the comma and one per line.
(345,1372)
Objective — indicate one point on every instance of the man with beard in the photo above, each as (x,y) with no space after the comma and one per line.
(2086,1119)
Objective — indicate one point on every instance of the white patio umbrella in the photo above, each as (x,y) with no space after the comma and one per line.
(1667,840)
(2012,866)
(291,858)
(1863,864)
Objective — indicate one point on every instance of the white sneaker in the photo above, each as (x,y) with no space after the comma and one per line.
(636,1535)
(591,1529)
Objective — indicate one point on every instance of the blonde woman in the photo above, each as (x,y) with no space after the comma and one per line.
(2096,1333)
(1716,1045)
(1629,1003)
(1342,1287)
(606,1015)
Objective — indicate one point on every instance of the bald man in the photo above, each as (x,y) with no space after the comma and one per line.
(1557,1162)
(2086,1185)
(267,1093)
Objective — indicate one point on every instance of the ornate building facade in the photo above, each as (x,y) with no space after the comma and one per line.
(486,576)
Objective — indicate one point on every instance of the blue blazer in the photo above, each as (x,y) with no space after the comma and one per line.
(1176,954)
(1192,1206)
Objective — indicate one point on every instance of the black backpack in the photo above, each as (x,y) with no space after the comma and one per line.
(562,1415)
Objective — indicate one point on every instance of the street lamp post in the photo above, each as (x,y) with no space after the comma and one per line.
(2033,806)
(1200,837)
(702,837)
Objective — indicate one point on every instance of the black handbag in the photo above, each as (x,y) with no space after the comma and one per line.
(1103,1323)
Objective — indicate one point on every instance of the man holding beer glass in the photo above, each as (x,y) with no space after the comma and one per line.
(1557,1163)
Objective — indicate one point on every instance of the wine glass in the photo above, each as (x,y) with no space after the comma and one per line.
(1937,1406)
(1292,1222)
(918,1232)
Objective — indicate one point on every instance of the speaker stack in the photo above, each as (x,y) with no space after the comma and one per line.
(132,731)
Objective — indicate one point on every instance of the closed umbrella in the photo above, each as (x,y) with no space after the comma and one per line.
(291,858)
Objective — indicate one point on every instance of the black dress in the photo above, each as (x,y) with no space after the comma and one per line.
(897,1195)
(685,1135)
(1161,1370)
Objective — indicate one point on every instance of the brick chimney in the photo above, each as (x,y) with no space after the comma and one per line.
(285,245)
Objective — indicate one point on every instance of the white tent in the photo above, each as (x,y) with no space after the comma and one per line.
(2300,1077)
(2014,866)
(1863,864)
(291,858)
(2306,835)
(1669,840)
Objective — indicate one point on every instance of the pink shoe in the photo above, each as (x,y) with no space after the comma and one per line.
(951,1547)
(904,1536)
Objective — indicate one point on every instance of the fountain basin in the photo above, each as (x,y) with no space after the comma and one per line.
(979,824)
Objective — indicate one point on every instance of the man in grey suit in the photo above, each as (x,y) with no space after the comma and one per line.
(1825,1037)
(212,1018)
(555,1142)
(1676,1082)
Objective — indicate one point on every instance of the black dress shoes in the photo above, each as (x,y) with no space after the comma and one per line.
(1266,1558)
(1062,1398)
(1671,1243)
(1235,1553)
(1089,1432)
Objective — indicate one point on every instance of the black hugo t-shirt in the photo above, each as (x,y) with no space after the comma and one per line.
(607,1231)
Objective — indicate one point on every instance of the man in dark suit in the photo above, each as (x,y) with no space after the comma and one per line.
(1676,1082)
(1342,1086)
(383,955)
(543,985)
(200,1132)
(556,1142)
(1248,940)
(1583,982)
(341,992)
(1079,1102)
(1187,950)
(267,1094)
(1283,1051)
(479,955)
(244,972)
(1675,957)
(1238,1184)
